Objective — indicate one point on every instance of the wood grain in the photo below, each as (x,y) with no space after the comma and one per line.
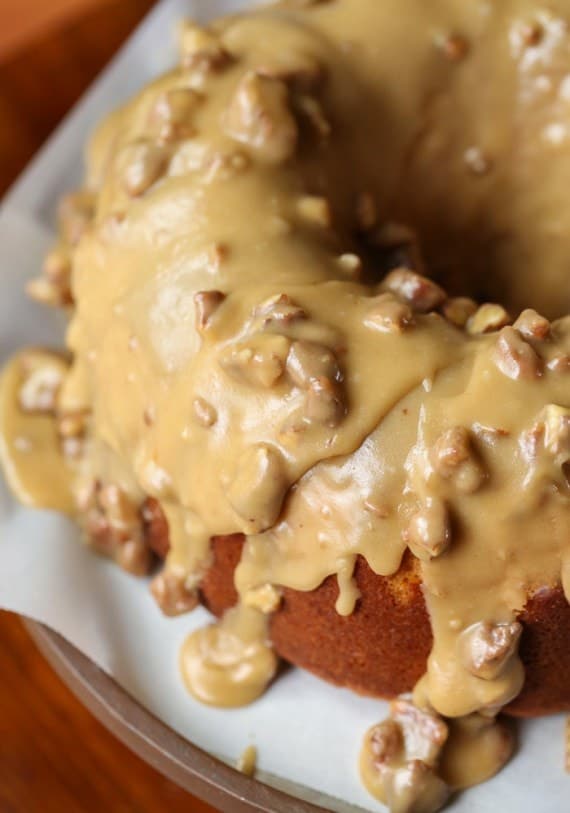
(40,83)
(22,20)
(54,756)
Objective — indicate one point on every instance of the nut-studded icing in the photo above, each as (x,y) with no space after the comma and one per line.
(260,346)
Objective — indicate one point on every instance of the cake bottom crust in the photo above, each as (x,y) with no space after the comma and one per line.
(381,649)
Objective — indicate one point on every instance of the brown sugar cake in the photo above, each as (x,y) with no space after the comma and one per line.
(288,380)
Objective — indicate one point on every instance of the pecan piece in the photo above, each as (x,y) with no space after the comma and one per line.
(455,47)
(204,412)
(309,361)
(172,595)
(453,458)
(155,527)
(556,422)
(386,741)
(266,598)
(515,358)
(257,490)
(389,314)
(260,117)
(488,318)
(278,311)
(350,263)
(43,377)
(324,403)
(57,267)
(75,214)
(486,648)
(399,760)
(114,527)
(416,788)
(422,294)
(172,115)
(424,733)
(206,304)
(144,164)
(428,534)
(257,362)
(531,325)
(458,309)
(200,48)
(316,210)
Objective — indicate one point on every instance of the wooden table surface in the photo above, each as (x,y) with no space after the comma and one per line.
(54,756)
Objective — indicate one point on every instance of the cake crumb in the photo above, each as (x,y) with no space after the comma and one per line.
(247,762)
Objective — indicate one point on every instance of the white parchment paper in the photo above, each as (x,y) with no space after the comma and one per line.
(306,731)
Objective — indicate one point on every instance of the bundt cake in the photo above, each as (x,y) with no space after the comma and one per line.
(289,386)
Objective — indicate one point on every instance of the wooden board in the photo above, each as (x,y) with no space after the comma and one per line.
(54,756)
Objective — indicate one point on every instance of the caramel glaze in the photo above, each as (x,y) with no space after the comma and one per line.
(244,356)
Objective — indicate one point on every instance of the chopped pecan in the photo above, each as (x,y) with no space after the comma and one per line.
(400,758)
(428,534)
(301,70)
(75,214)
(278,311)
(556,422)
(477,161)
(200,48)
(144,164)
(260,117)
(487,648)
(421,293)
(247,761)
(257,490)
(206,304)
(221,165)
(50,292)
(531,325)
(155,527)
(488,318)
(72,429)
(172,594)
(416,788)
(57,267)
(114,526)
(324,403)
(388,314)
(259,361)
(528,34)
(386,741)
(204,412)
(424,733)
(559,363)
(515,358)
(309,361)
(266,598)
(43,376)
(455,47)
(316,210)
(453,458)
(458,309)
(173,113)
(351,264)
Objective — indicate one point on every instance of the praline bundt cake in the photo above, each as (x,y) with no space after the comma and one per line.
(280,382)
